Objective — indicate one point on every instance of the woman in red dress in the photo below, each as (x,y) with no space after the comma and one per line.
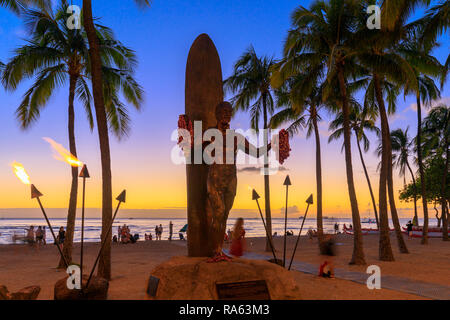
(238,241)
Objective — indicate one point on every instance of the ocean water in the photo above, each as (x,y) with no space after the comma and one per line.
(253,227)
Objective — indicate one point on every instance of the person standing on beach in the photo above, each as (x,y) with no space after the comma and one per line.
(39,237)
(160,231)
(170,230)
(61,236)
(30,236)
(44,235)
(409,228)
(156,232)
(238,241)
(336,228)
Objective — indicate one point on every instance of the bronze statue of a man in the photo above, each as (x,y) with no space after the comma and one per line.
(222,176)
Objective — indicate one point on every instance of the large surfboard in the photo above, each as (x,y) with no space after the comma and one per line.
(203,91)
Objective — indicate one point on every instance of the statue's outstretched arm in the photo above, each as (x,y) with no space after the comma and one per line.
(251,150)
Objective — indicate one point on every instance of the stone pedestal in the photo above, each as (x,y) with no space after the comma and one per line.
(28,293)
(98,290)
(187,278)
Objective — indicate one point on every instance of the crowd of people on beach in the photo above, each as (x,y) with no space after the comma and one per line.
(124,235)
(37,237)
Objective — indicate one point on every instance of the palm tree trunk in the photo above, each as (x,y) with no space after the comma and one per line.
(318,174)
(443,196)
(385,249)
(266,178)
(358,252)
(398,231)
(437,214)
(415,191)
(422,172)
(72,212)
(104,266)
(368,180)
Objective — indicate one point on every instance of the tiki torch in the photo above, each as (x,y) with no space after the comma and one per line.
(62,154)
(255,196)
(20,172)
(121,198)
(83,174)
(309,201)
(287,183)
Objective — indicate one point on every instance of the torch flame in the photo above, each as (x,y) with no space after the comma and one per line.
(20,172)
(63,154)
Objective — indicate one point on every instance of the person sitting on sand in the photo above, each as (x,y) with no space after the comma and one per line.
(238,239)
(328,249)
(181,235)
(126,235)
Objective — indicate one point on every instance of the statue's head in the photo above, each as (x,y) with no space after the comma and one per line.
(224,111)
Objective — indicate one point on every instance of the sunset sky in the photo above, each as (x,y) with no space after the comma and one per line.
(141,163)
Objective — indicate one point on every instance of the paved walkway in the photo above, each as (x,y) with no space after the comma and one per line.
(419,288)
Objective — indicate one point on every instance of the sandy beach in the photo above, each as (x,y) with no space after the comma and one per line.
(22,266)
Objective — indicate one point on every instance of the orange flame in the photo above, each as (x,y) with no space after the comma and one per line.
(20,172)
(63,154)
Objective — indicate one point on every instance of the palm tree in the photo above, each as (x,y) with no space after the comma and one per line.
(385,57)
(322,38)
(436,22)
(424,68)
(360,123)
(250,82)
(303,111)
(17,6)
(421,39)
(401,147)
(437,145)
(383,65)
(56,55)
(104,267)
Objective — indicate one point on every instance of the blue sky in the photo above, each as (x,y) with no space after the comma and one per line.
(161,37)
